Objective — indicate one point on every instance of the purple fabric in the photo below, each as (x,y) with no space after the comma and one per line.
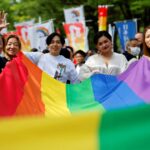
(137,76)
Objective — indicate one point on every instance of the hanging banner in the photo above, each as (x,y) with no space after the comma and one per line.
(126,30)
(77,35)
(25,23)
(22,31)
(73,15)
(38,33)
(102,17)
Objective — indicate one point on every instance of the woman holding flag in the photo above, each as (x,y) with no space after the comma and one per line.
(105,61)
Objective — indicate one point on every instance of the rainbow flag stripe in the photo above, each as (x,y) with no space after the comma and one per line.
(127,129)
(27,90)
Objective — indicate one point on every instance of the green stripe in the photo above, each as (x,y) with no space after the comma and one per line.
(127,129)
(80,97)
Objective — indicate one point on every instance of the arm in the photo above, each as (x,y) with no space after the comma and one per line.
(124,63)
(34,56)
(85,72)
(3,22)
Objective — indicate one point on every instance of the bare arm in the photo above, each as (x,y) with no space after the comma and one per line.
(3,22)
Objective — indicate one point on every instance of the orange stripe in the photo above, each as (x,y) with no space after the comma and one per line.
(31,103)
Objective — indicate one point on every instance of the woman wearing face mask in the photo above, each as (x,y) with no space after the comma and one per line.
(105,61)
(132,51)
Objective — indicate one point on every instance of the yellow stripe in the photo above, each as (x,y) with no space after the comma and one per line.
(66,133)
(53,95)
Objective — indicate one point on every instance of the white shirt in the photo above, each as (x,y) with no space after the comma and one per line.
(57,67)
(95,64)
(78,67)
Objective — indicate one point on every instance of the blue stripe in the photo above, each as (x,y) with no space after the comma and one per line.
(112,93)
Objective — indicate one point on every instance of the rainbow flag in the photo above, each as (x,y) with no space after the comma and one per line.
(106,122)
(26,90)
(127,129)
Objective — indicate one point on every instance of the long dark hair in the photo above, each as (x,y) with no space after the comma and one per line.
(146,50)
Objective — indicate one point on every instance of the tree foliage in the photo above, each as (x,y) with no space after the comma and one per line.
(22,10)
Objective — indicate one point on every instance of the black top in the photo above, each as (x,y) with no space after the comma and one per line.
(128,55)
(3,62)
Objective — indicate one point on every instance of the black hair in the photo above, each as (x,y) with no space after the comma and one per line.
(80,52)
(65,52)
(34,50)
(45,51)
(52,35)
(70,48)
(100,34)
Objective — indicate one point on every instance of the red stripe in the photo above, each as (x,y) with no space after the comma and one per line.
(12,81)
(102,11)
(20,88)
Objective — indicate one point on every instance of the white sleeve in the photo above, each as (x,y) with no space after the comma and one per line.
(124,63)
(33,56)
(85,72)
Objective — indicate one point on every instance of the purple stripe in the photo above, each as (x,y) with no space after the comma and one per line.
(137,77)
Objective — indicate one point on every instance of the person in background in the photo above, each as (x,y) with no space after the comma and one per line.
(89,53)
(70,49)
(140,38)
(45,51)
(132,51)
(34,50)
(106,61)
(80,59)
(65,52)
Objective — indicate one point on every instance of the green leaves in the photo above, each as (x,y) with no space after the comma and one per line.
(22,10)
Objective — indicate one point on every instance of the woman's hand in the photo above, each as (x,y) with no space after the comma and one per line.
(3,22)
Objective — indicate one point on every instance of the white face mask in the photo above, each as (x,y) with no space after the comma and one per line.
(135,51)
